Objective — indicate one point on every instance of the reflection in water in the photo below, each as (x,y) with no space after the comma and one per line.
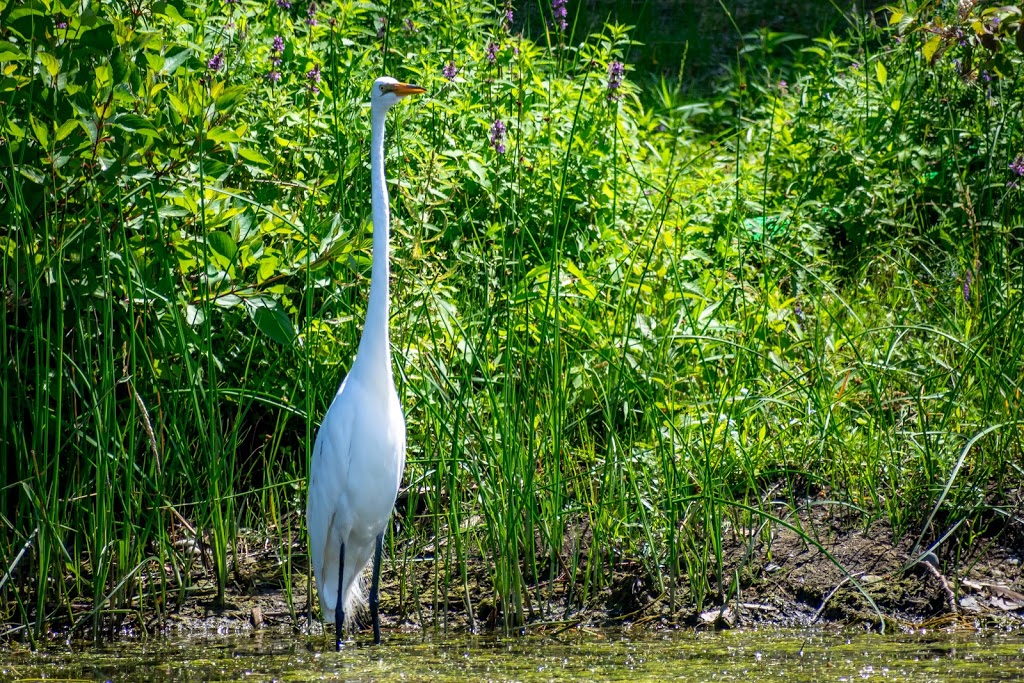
(790,656)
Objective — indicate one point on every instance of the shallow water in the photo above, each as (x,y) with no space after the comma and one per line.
(791,656)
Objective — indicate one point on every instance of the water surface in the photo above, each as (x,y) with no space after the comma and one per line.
(755,656)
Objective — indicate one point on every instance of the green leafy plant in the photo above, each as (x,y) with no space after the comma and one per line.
(635,329)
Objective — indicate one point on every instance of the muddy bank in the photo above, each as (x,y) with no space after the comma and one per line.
(836,572)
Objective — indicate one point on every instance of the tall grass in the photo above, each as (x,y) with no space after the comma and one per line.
(642,335)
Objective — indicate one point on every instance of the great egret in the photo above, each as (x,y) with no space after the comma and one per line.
(359,452)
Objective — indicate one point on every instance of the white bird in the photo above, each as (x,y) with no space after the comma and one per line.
(359,452)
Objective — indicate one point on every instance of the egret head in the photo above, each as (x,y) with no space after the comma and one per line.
(387,92)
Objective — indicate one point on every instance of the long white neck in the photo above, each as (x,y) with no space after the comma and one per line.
(374,346)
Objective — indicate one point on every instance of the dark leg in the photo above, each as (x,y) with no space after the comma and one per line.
(375,590)
(339,608)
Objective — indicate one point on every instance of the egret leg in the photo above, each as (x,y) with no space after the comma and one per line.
(375,590)
(339,608)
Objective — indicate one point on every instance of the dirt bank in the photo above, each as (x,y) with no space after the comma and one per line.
(834,572)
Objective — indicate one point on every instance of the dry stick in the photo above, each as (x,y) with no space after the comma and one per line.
(950,597)
(147,426)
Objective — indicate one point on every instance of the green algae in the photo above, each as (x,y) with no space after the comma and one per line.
(769,655)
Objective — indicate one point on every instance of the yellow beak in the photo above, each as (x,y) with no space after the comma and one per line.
(403,89)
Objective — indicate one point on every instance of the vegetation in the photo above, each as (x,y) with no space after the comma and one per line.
(628,323)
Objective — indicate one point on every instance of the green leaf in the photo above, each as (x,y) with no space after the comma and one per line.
(228,300)
(230,97)
(14,130)
(175,58)
(172,14)
(66,129)
(32,174)
(930,48)
(40,130)
(24,12)
(267,269)
(155,62)
(131,122)
(91,129)
(271,320)
(179,106)
(881,73)
(11,53)
(253,156)
(104,76)
(98,36)
(222,244)
(49,63)
(194,315)
(478,170)
(222,134)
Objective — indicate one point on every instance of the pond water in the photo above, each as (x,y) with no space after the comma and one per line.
(770,655)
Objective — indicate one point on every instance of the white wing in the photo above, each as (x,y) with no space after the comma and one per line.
(332,460)
(358,458)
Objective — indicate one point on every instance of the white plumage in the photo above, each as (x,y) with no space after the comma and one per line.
(359,452)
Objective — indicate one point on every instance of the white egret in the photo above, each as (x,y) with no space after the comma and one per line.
(359,452)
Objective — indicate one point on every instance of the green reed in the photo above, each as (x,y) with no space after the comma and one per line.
(630,346)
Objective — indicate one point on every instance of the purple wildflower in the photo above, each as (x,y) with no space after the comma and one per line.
(313,76)
(275,58)
(383,28)
(274,76)
(449,71)
(216,62)
(311,14)
(1018,165)
(560,14)
(968,277)
(492,52)
(616,71)
(60,22)
(507,17)
(284,4)
(498,136)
